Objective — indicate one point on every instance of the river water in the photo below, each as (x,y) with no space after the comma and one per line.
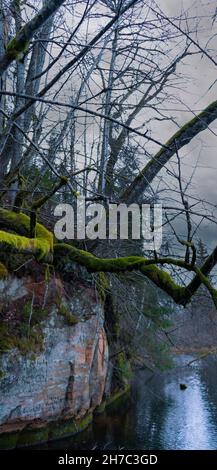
(159,415)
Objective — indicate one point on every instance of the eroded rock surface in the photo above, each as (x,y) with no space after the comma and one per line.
(67,378)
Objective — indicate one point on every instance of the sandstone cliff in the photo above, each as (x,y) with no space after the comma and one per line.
(54,359)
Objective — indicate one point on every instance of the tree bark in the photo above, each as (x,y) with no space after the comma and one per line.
(20,43)
(181,138)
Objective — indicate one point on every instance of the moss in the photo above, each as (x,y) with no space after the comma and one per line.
(8,440)
(177,141)
(3,271)
(31,436)
(129,263)
(54,430)
(69,427)
(33,356)
(20,223)
(19,200)
(17,243)
(6,341)
(27,338)
(38,315)
(117,395)
(16,48)
(100,408)
(25,344)
(102,285)
(123,367)
(64,311)
(33,342)
(40,246)
(164,281)
(113,400)
(92,263)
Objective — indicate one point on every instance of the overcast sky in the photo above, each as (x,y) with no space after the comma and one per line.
(201,73)
(197,90)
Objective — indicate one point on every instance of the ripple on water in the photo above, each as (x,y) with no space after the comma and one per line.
(160,415)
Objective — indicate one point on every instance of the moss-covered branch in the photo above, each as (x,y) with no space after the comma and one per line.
(181,138)
(162,279)
(41,246)
(20,43)
(18,242)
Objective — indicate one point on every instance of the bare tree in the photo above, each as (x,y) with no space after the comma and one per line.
(80,88)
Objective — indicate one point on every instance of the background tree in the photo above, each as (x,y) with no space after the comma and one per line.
(88,91)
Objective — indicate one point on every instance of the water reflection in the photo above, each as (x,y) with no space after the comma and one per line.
(187,418)
(159,414)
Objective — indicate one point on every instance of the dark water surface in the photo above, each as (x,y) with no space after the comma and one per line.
(159,415)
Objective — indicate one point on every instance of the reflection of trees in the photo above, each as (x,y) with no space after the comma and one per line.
(144,421)
(111,428)
(151,408)
(138,425)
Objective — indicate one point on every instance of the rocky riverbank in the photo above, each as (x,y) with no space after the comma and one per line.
(55,367)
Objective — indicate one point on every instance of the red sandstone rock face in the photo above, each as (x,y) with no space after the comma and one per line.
(68,378)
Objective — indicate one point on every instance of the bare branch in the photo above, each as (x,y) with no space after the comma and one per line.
(20,43)
(181,138)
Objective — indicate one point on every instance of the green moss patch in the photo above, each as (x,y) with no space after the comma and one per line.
(64,311)
(40,246)
(29,436)
(32,435)
(25,333)
(3,271)
(54,430)
(69,427)
(122,370)
(8,440)
(102,285)
(16,48)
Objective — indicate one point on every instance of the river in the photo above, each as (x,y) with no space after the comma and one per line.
(159,415)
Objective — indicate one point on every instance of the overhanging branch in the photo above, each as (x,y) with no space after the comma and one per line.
(181,138)
(42,248)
